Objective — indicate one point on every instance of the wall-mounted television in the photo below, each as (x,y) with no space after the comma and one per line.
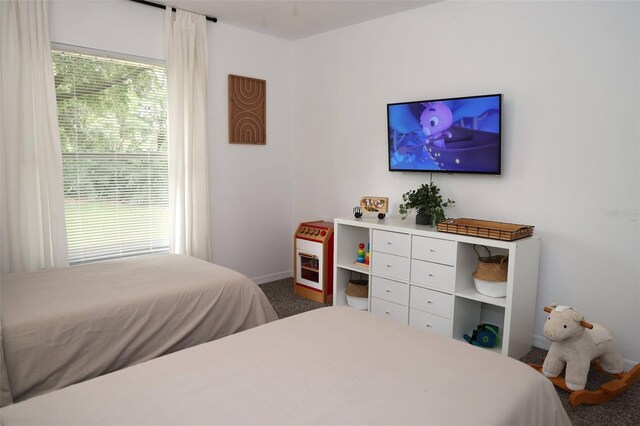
(454,135)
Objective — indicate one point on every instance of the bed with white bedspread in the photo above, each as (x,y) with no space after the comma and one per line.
(328,366)
(63,326)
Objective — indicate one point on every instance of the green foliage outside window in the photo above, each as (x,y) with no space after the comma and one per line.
(107,106)
(112,116)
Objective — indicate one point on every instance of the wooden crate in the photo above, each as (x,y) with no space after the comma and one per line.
(486,229)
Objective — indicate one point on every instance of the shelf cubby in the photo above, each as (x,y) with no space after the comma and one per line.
(437,268)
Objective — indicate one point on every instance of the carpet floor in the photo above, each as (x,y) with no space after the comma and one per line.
(622,411)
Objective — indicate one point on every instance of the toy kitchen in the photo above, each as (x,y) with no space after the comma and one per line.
(313,261)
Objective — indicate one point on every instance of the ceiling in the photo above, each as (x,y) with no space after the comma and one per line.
(295,19)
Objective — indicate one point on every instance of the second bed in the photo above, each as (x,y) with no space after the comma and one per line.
(67,325)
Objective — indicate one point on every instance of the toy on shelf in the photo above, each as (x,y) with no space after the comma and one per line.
(579,345)
(378,205)
(367,255)
(486,335)
(361,256)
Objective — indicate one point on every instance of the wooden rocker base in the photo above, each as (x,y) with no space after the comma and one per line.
(616,387)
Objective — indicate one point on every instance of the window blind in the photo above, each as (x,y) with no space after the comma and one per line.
(112,115)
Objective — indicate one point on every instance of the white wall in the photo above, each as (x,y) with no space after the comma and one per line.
(251,184)
(251,195)
(569,72)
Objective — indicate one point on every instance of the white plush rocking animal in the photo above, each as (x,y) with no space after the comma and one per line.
(576,343)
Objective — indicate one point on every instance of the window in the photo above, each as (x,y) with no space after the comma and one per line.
(113,120)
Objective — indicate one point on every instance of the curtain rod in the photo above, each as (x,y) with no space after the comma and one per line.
(161,6)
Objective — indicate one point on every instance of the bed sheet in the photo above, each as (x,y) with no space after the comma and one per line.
(328,366)
(67,325)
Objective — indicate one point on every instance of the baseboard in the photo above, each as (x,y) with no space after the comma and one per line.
(542,343)
(272,277)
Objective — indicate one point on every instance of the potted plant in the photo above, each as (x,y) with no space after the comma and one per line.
(427,202)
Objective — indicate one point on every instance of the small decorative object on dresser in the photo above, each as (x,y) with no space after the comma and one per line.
(427,202)
(378,205)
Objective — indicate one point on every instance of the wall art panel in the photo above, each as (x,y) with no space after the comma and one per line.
(247,110)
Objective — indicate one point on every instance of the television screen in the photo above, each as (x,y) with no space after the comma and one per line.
(456,135)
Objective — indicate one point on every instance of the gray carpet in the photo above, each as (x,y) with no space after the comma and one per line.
(624,410)
(284,301)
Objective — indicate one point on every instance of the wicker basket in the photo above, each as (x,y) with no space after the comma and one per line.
(490,276)
(358,287)
(486,229)
(491,268)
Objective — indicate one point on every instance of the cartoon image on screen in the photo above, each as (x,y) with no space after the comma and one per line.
(449,135)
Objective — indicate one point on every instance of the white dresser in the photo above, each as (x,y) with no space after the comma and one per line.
(422,277)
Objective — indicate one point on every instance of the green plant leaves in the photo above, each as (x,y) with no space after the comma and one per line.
(427,200)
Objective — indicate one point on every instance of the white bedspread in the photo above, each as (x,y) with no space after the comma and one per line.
(64,326)
(328,366)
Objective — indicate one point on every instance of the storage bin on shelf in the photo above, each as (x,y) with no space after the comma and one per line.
(490,276)
(358,291)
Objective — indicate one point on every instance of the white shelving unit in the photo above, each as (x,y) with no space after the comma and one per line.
(422,277)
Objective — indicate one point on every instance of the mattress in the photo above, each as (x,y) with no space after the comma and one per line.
(64,326)
(328,366)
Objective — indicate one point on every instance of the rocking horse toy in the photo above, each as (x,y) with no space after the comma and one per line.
(579,345)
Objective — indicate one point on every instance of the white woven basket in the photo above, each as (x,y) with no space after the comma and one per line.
(491,288)
(361,303)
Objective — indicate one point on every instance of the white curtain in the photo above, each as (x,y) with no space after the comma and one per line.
(32,230)
(187,61)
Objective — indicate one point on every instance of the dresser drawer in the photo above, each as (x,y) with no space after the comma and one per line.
(433,275)
(391,242)
(426,321)
(390,310)
(434,250)
(392,291)
(431,301)
(390,265)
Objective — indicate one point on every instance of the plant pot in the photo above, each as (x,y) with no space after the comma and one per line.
(423,219)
